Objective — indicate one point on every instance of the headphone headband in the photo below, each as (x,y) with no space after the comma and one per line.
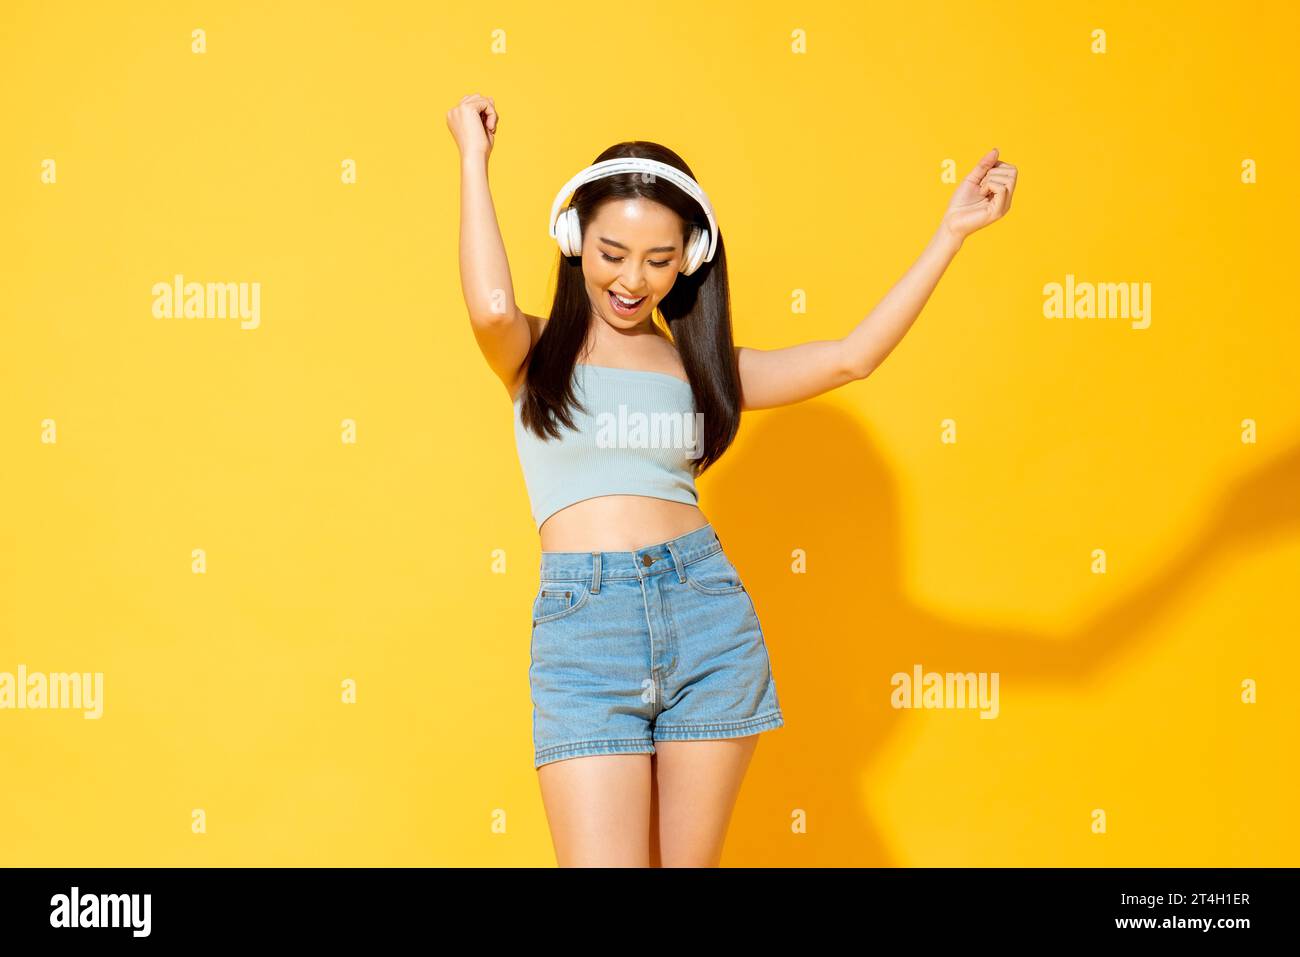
(635,164)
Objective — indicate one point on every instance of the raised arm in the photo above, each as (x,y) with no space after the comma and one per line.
(775,377)
(505,335)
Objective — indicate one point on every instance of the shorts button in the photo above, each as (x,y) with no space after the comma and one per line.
(647,561)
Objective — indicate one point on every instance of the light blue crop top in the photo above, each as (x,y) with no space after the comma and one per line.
(640,435)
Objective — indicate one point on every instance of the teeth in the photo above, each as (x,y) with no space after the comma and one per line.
(627,302)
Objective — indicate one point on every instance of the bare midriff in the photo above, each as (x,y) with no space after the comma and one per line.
(618,523)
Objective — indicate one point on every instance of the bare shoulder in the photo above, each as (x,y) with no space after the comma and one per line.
(668,359)
(516,382)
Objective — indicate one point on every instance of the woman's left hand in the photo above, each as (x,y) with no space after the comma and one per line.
(983,197)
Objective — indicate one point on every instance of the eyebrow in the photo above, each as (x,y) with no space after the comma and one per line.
(657,249)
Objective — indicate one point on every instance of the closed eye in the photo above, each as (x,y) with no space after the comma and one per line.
(619,259)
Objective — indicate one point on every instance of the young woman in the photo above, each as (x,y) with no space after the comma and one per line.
(650,676)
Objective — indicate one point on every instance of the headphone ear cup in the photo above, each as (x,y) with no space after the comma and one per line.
(569,233)
(696,248)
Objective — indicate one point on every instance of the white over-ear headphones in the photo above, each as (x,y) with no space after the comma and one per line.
(565,229)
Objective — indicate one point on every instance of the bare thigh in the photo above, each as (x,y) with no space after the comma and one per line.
(598,808)
(694,788)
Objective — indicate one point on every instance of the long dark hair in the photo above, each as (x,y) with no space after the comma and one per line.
(697,311)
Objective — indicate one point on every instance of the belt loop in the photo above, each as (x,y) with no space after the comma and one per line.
(677,561)
(595,573)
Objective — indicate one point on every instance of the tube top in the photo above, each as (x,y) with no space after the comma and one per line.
(640,435)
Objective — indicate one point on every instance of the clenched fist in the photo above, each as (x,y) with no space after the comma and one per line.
(983,197)
(473,123)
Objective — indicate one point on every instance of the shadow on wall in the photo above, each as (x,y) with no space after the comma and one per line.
(810,477)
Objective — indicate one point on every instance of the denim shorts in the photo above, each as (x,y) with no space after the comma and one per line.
(659,644)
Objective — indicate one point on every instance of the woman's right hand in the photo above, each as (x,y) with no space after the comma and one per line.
(473,122)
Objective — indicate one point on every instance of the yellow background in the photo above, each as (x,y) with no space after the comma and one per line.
(373,561)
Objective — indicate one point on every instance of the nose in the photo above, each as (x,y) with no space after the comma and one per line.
(632,278)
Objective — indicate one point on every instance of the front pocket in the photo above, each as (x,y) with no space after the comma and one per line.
(714,575)
(555,600)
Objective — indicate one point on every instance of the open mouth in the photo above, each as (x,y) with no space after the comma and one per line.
(624,307)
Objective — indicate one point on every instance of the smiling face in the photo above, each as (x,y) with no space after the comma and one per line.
(631,248)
